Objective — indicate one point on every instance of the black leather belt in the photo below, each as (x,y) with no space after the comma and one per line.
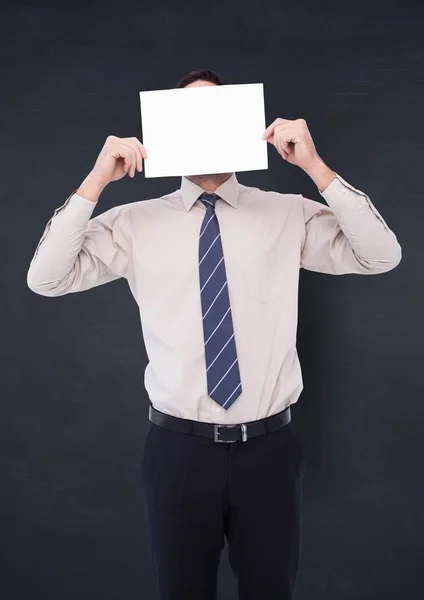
(221,432)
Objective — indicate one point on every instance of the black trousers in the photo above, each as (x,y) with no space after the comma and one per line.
(199,493)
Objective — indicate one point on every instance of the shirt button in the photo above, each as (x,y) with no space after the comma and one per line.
(344,190)
(218,410)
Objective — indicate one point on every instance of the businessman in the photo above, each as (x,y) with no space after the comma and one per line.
(214,269)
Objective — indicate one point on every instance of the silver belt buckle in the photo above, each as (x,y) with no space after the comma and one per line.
(216,433)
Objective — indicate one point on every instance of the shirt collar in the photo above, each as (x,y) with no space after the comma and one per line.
(228,191)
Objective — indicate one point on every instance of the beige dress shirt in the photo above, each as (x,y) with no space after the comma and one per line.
(266,237)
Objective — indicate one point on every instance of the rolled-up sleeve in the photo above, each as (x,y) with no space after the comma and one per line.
(76,253)
(349,235)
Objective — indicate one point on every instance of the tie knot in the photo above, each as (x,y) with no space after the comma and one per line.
(208,198)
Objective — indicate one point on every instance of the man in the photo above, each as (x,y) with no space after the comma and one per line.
(214,268)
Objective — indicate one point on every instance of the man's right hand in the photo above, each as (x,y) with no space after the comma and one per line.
(118,157)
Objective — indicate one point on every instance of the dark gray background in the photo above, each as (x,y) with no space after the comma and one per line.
(73,405)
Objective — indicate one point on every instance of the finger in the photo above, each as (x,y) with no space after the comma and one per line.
(139,158)
(130,158)
(133,162)
(122,150)
(136,146)
(273,125)
(270,139)
(127,161)
(279,144)
(270,128)
(282,147)
(283,142)
(143,150)
(285,146)
(135,142)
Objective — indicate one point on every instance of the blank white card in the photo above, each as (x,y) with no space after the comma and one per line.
(204,130)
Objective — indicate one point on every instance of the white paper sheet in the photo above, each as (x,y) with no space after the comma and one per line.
(204,130)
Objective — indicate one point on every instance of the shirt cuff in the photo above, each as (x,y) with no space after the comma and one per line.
(80,205)
(340,195)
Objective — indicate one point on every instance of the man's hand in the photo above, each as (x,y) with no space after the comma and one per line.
(293,141)
(118,157)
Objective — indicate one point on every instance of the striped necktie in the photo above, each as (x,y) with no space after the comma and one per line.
(222,368)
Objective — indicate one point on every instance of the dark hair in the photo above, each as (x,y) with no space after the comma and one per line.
(204,75)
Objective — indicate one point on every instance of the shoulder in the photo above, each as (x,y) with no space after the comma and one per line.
(280,200)
(149,206)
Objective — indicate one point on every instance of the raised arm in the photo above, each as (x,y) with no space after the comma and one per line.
(76,253)
(349,235)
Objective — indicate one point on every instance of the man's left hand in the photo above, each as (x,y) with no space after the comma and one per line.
(293,141)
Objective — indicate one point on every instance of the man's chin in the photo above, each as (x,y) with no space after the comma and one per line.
(209,175)
(205,175)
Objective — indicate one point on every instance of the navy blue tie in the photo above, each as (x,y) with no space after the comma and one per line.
(222,368)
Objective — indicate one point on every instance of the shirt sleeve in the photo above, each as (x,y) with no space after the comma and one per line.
(348,236)
(76,253)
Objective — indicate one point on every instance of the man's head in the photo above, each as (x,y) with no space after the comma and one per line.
(208,182)
(201,77)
